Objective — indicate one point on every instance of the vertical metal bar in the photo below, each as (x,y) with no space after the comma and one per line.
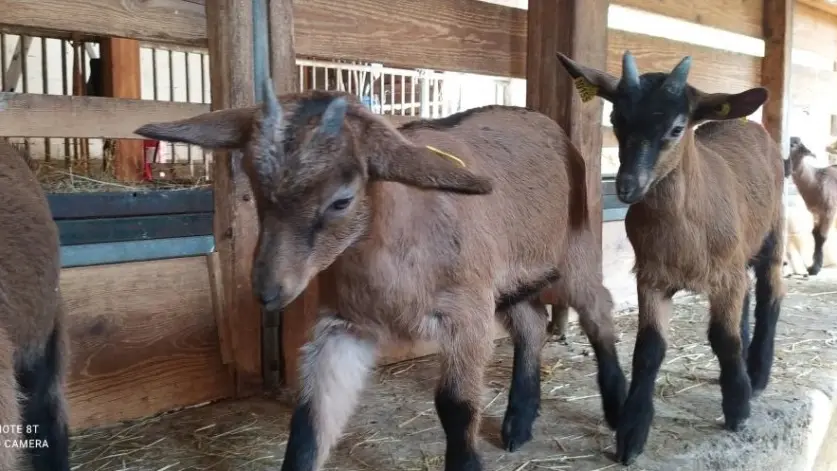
(172,146)
(203,79)
(154,73)
(437,102)
(45,85)
(3,84)
(64,91)
(271,321)
(413,95)
(188,100)
(84,142)
(24,77)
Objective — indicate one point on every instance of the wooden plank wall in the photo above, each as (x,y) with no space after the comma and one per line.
(144,340)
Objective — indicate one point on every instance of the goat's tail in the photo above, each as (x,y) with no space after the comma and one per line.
(579,214)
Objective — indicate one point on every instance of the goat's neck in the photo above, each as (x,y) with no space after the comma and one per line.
(803,174)
(680,181)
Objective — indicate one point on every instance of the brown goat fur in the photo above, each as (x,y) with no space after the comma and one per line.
(818,189)
(33,340)
(412,246)
(706,205)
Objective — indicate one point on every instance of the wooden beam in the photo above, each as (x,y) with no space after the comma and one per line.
(122,79)
(143,340)
(776,68)
(230,27)
(176,21)
(738,16)
(462,35)
(822,5)
(34,115)
(577,28)
(713,70)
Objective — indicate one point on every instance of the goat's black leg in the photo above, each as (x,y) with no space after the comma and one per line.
(769,294)
(526,322)
(819,241)
(725,338)
(465,354)
(44,407)
(649,352)
(334,367)
(594,305)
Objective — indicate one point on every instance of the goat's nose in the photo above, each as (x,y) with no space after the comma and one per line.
(270,294)
(626,187)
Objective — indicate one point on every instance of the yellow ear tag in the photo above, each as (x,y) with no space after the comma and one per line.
(446,155)
(587,90)
(724,109)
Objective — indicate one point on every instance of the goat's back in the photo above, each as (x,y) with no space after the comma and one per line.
(539,194)
(744,162)
(29,255)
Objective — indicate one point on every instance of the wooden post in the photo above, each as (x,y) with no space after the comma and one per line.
(230,37)
(776,68)
(577,28)
(300,315)
(777,27)
(122,79)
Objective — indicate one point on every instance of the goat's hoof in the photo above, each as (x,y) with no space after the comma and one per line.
(736,403)
(758,369)
(517,429)
(632,432)
(462,461)
(813,271)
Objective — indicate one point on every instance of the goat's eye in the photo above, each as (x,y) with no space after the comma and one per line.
(676,131)
(341,204)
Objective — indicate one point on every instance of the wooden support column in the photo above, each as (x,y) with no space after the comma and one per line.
(122,79)
(577,28)
(299,316)
(776,68)
(777,26)
(230,37)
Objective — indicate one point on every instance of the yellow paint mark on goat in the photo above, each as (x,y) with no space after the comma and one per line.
(587,90)
(724,109)
(446,155)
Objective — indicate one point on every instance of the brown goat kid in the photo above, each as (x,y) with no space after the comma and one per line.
(33,340)
(706,205)
(818,188)
(416,246)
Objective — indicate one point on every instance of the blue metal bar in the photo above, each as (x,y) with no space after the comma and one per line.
(261,48)
(135,251)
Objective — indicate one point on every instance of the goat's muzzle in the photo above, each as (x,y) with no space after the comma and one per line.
(632,186)
(270,296)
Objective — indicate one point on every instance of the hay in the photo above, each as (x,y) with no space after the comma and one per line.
(56,177)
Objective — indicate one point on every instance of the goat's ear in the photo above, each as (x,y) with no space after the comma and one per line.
(590,82)
(720,106)
(392,157)
(222,129)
